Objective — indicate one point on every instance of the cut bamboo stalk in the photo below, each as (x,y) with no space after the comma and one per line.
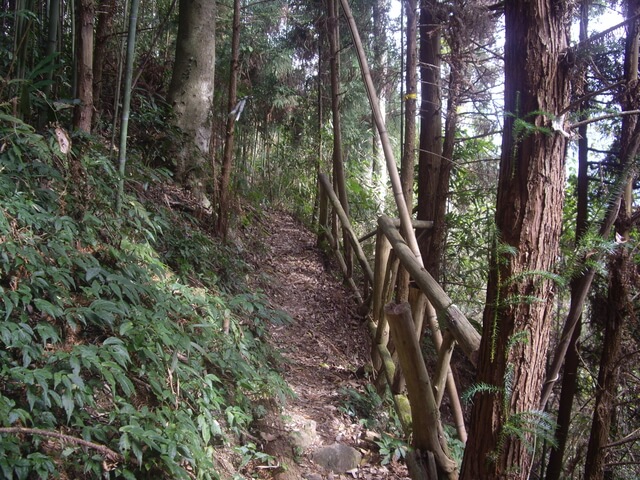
(427,428)
(323,216)
(346,225)
(442,366)
(392,166)
(464,333)
(343,265)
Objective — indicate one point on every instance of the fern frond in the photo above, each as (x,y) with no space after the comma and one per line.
(521,299)
(543,274)
(482,388)
(518,337)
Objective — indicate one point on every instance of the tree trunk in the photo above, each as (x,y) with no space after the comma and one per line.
(619,306)
(379,175)
(410,98)
(572,361)
(191,91)
(227,158)
(339,179)
(83,113)
(616,310)
(430,157)
(515,339)
(104,30)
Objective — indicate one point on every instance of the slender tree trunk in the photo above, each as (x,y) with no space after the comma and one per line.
(513,350)
(379,175)
(53,20)
(227,158)
(104,30)
(619,306)
(569,376)
(430,157)
(191,92)
(616,310)
(339,178)
(83,113)
(410,98)
(126,101)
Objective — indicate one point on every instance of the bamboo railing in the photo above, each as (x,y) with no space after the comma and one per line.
(396,330)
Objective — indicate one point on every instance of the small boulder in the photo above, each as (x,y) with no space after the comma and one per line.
(338,458)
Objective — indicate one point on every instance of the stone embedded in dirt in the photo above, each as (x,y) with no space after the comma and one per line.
(303,433)
(338,458)
(313,476)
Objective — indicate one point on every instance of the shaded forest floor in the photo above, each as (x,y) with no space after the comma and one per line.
(325,350)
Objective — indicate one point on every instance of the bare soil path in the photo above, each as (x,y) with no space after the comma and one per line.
(325,347)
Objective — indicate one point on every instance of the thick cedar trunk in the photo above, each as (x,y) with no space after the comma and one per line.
(528,222)
(227,159)
(191,91)
(83,113)
(104,30)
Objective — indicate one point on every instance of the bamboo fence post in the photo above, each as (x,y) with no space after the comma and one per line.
(428,434)
(418,303)
(464,333)
(323,215)
(346,225)
(383,248)
(343,265)
(392,167)
(442,366)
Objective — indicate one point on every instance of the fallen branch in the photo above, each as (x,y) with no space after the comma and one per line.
(105,451)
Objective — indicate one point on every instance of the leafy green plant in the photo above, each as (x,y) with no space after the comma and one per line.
(249,452)
(101,339)
(391,449)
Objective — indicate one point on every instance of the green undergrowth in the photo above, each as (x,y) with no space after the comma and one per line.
(129,346)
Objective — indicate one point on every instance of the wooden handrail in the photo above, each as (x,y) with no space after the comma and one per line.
(465,334)
(379,288)
(346,225)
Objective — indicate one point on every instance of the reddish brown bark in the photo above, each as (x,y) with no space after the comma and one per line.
(83,113)
(430,157)
(528,224)
(104,29)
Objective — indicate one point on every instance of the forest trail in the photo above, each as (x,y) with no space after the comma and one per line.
(325,348)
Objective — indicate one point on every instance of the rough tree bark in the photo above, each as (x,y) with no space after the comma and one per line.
(618,309)
(569,375)
(104,30)
(191,91)
(516,327)
(430,156)
(83,113)
(227,158)
(339,178)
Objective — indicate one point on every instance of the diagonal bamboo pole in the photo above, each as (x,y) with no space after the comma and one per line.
(396,184)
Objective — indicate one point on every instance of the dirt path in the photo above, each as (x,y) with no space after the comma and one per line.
(326,347)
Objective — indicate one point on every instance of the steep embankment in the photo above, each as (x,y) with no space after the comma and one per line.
(326,349)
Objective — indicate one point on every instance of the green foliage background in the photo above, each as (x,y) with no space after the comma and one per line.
(111,328)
